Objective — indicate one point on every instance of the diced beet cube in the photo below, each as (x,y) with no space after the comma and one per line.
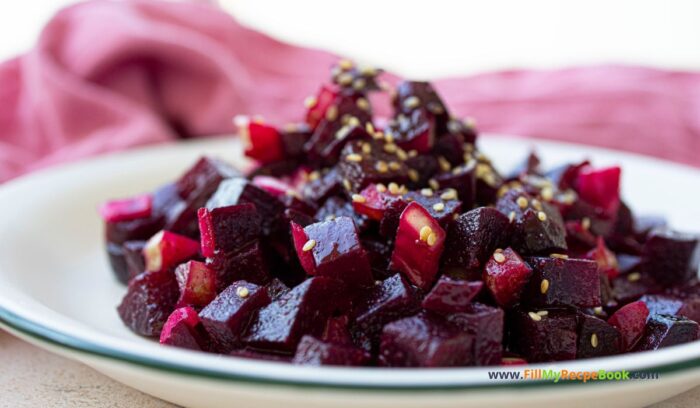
(565,176)
(460,137)
(600,187)
(443,205)
(294,137)
(314,352)
(318,105)
(355,80)
(412,95)
(413,131)
(685,306)
(228,229)
(228,316)
(133,255)
(425,166)
(390,300)
(377,163)
(545,335)
(184,329)
(605,258)
(197,284)
(306,257)
(488,181)
(165,250)
(149,300)
(451,296)
(248,264)
(538,227)
(202,179)
(336,207)
(263,141)
(579,238)
(506,275)
(425,340)
(127,209)
(337,330)
(474,236)
(418,246)
(670,257)
(666,330)
(630,320)
(303,310)
(294,202)
(373,201)
(463,180)
(597,338)
(485,323)
(562,282)
(336,250)
(322,186)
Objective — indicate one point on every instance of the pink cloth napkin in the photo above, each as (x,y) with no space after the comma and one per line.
(109,75)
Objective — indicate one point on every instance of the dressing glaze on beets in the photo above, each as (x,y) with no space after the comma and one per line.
(397,245)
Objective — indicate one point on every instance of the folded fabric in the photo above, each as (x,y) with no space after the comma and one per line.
(108,75)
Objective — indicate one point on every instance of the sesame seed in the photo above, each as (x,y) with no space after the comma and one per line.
(594,340)
(381,166)
(470,122)
(547,194)
(381,188)
(559,256)
(439,207)
(389,138)
(394,188)
(542,216)
(353,157)
(586,223)
(511,216)
(433,184)
(366,148)
(542,312)
(432,239)
(394,165)
(357,198)
(359,84)
(534,316)
(369,127)
(310,102)
(401,154)
(309,245)
(342,132)
(424,232)
(346,184)
(444,164)
(499,257)
(332,113)
(330,217)
(411,102)
(536,204)
(242,292)
(344,79)
(450,194)
(598,310)
(378,135)
(634,277)
(522,202)
(412,153)
(368,71)
(314,175)
(427,192)
(353,121)
(390,148)
(413,175)
(345,64)
(363,104)
(544,286)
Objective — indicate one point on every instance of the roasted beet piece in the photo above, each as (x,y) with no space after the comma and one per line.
(630,287)
(425,340)
(474,236)
(228,316)
(413,131)
(127,209)
(630,321)
(605,258)
(425,166)
(184,329)
(379,254)
(451,296)
(133,255)
(336,251)
(418,246)
(314,352)
(228,229)
(248,263)
(506,275)
(413,95)
(597,338)
(389,300)
(353,79)
(148,302)
(544,335)
(303,310)
(373,200)
(600,187)
(463,180)
(485,323)
(376,163)
(318,105)
(321,186)
(264,142)
(166,250)
(670,257)
(337,330)
(665,330)
(538,227)
(443,205)
(562,282)
(197,284)
(684,306)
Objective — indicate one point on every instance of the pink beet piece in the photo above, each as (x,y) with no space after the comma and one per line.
(600,187)
(418,246)
(605,258)
(506,274)
(374,202)
(264,141)
(314,352)
(184,329)
(272,185)
(149,300)
(166,250)
(630,320)
(228,316)
(320,104)
(306,258)
(451,295)
(228,229)
(127,209)
(197,284)
(443,205)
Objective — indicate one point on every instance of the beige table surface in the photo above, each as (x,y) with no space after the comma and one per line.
(31,377)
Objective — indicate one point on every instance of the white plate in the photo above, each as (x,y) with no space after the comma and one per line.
(56,291)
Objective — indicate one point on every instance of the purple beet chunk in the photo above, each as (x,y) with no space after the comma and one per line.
(247,264)
(463,179)
(538,227)
(314,352)
(665,331)
(687,306)
(148,302)
(293,139)
(428,99)
(133,255)
(552,337)
(228,229)
(303,310)
(563,282)
(183,329)
(672,258)
(444,214)
(390,300)
(485,323)
(425,340)
(117,261)
(336,207)
(360,173)
(426,165)
(338,253)
(597,338)
(258,355)
(379,253)
(451,296)
(241,191)
(204,177)
(337,331)
(292,202)
(320,189)
(628,288)
(474,236)
(228,316)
